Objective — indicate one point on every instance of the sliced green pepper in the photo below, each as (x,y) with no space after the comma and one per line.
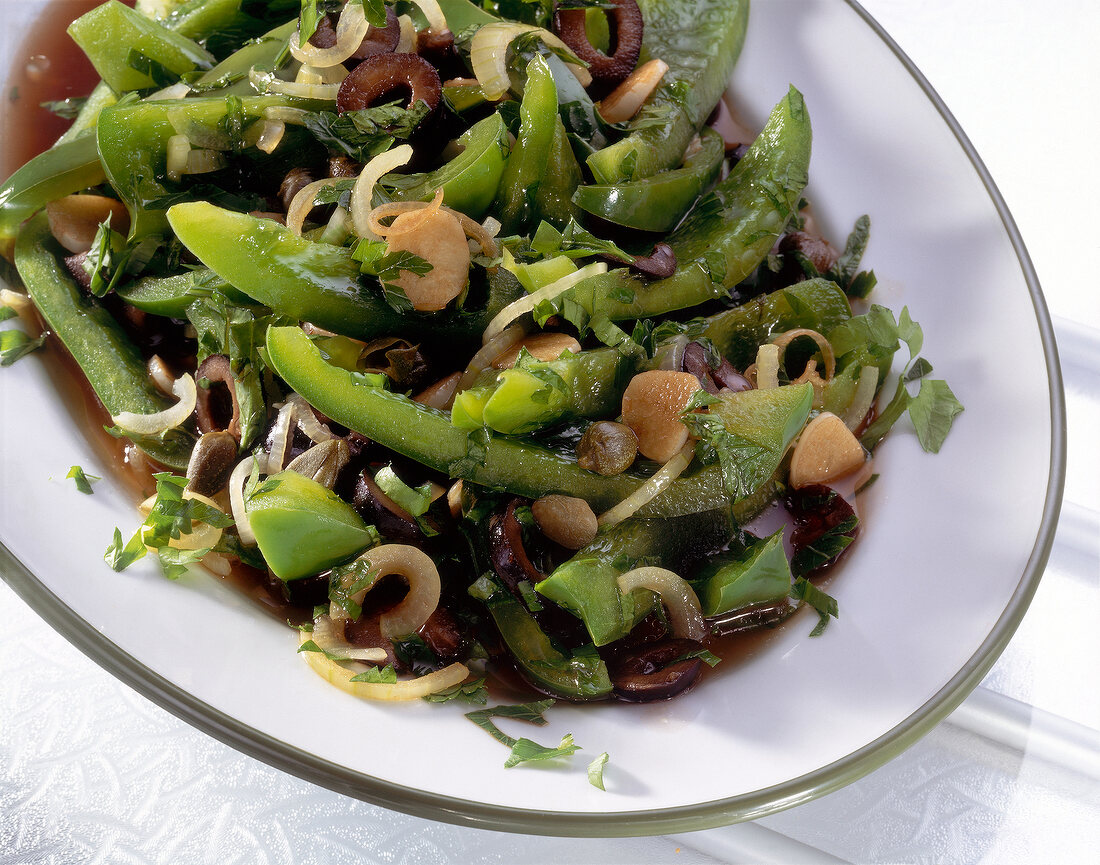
(62,170)
(526,168)
(461,14)
(729,232)
(109,361)
(535,394)
(316,282)
(562,175)
(657,203)
(470,180)
(757,574)
(580,675)
(700,42)
(112,33)
(171,295)
(302,527)
(133,141)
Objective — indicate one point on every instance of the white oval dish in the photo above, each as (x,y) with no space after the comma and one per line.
(952,549)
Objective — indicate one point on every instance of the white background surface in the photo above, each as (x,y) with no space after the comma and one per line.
(1013,776)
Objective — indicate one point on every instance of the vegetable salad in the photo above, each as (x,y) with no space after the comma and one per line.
(478,335)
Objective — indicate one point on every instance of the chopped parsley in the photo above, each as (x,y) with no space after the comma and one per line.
(83,481)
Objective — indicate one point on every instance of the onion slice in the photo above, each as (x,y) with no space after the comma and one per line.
(767,366)
(280,439)
(236,501)
(828,355)
(409,689)
(685,614)
(506,339)
(489,56)
(863,398)
(325,634)
(437,21)
(303,203)
(362,195)
(625,100)
(649,490)
(525,304)
(427,209)
(307,420)
(154,424)
(406,44)
(267,82)
(350,32)
(419,572)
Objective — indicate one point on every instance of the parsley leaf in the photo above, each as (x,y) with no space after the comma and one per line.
(365,133)
(595,770)
(825,604)
(83,481)
(526,750)
(171,517)
(66,108)
(473,692)
(14,344)
(377,675)
(348,580)
(532,713)
(932,411)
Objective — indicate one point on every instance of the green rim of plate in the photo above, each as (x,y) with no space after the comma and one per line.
(659,821)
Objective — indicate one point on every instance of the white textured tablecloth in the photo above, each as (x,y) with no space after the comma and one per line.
(91,772)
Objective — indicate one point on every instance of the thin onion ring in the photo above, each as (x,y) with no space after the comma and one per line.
(506,339)
(489,56)
(363,194)
(409,689)
(437,21)
(303,203)
(201,536)
(863,398)
(351,30)
(650,489)
(266,82)
(406,44)
(767,366)
(154,424)
(384,211)
(685,614)
(828,355)
(307,420)
(419,572)
(527,303)
(326,635)
(280,439)
(237,481)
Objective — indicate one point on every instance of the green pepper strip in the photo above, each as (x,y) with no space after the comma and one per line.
(426,435)
(171,295)
(580,676)
(700,42)
(526,168)
(657,203)
(728,233)
(109,360)
(316,282)
(133,141)
(470,180)
(60,171)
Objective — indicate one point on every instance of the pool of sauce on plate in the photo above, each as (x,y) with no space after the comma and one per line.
(49,67)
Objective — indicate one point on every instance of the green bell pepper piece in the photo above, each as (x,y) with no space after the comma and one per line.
(316,282)
(758,574)
(260,53)
(517,200)
(171,295)
(110,362)
(562,175)
(62,170)
(302,527)
(470,180)
(580,675)
(108,32)
(427,436)
(535,394)
(197,19)
(587,584)
(727,235)
(657,203)
(700,42)
(133,141)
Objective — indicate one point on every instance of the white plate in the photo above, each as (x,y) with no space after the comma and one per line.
(952,549)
